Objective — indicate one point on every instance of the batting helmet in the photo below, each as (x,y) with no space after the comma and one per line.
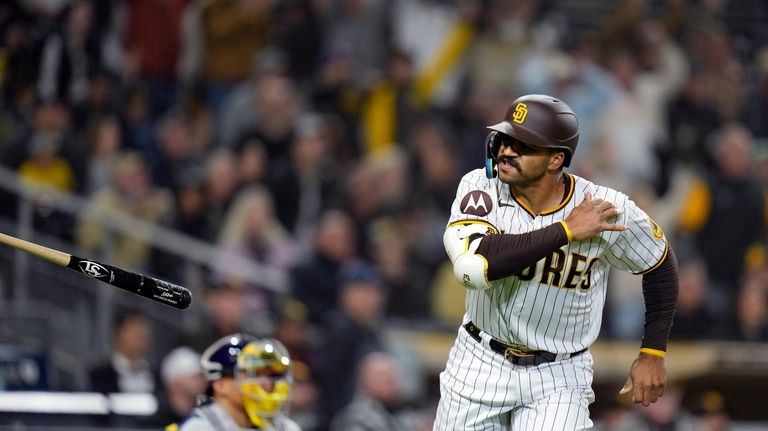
(220,358)
(536,120)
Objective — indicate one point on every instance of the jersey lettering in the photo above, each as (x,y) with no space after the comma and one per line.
(553,268)
(527,273)
(574,272)
(587,282)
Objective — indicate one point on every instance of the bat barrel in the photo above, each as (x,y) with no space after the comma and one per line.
(152,288)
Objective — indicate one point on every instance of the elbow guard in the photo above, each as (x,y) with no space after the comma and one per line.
(470,269)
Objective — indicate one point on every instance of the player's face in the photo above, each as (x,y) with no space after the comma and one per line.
(520,164)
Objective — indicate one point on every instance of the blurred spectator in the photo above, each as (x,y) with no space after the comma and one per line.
(128,368)
(171,153)
(139,128)
(130,193)
(624,319)
(501,46)
(405,281)
(665,414)
(723,78)
(252,162)
(70,56)
(20,59)
(315,281)
(692,118)
(435,169)
(757,104)
(45,167)
(751,321)
(225,313)
(378,404)
(377,186)
(279,108)
(447,297)
(220,189)
(388,109)
(589,89)
(336,95)
(633,125)
(183,382)
(437,53)
(189,217)
(305,185)
(692,319)
(242,110)
(721,231)
(153,39)
(105,140)
(251,232)
(356,29)
(294,331)
(233,33)
(350,332)
(300,34)
(710,410)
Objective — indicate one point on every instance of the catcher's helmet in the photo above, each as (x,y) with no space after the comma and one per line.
(536,120)
(261,368)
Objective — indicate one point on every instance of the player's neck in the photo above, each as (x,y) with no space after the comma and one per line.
(542,195)
(237,413)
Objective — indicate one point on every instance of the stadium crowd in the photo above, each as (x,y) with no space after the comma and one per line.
(326,138)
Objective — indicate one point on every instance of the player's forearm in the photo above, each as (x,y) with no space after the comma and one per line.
(508,254)
(660,288)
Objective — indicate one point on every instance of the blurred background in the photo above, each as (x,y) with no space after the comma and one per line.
(293,163)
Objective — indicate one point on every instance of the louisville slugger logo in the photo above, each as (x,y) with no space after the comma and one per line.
(476,203)
(93,269)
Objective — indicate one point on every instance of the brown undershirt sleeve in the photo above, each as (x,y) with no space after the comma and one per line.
(508,254)
(660,288)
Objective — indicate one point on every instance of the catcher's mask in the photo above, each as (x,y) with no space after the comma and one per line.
(535,120)
(263,374)
(261,368)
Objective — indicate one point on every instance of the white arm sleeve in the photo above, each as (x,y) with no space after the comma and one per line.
(470,269)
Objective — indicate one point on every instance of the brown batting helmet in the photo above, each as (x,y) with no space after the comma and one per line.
(540,121)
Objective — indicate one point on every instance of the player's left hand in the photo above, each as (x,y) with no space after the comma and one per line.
(647,379)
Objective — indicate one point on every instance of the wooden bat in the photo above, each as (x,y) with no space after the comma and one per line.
(152,288)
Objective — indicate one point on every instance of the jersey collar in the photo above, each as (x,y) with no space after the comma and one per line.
(569,187)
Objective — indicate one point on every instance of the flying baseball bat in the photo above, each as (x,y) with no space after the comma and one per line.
(148,287)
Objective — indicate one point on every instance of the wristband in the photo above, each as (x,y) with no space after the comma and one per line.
(654,352)
(567,231)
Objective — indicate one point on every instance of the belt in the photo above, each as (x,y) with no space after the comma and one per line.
(514,354)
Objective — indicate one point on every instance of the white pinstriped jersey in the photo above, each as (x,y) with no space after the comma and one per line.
(556,305)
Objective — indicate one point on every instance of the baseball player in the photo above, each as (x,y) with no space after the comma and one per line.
(532,244)
(250,380)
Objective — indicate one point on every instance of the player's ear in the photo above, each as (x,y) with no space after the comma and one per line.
(556,160)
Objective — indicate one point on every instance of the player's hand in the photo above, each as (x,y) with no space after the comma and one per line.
(591,217)
(647,379)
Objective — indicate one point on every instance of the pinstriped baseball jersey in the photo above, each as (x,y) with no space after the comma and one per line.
(556,304)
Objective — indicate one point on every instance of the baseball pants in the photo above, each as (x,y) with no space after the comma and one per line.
(480,390)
